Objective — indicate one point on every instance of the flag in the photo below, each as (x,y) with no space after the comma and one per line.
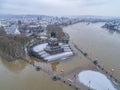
(75,75)
(62,70)
(112,70)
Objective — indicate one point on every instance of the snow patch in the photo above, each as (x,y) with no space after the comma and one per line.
(40,50)
(39,47)
(95,80)
(58,56)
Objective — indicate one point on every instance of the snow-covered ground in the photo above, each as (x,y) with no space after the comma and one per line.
(95,80)
(39,47)
(46,56)
(59,56)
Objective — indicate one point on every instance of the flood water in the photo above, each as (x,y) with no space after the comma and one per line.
(100,44)
(19,75)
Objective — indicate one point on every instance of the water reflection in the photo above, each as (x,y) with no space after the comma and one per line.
(54,66)
(33,60)
(46,66)
(14,66)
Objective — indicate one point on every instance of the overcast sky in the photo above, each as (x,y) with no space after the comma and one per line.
(61,7)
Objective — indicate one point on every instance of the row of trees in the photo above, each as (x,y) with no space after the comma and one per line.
(12,46)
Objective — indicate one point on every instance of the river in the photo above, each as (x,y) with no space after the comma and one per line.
(101,44)
(19,75)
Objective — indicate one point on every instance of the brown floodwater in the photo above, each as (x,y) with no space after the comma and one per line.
(99,43)
(19,75)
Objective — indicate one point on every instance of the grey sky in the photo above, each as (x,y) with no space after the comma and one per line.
(61,7)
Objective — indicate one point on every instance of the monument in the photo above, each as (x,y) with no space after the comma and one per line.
(53,46)
(53,49)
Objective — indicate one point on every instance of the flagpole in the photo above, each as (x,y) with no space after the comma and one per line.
(112,70)
(75,77)
(89,85)
(62,72)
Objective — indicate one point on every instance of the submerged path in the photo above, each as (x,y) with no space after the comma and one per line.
(95,62)
(71,83)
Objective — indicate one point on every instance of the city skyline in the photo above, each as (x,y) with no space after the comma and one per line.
(61,7)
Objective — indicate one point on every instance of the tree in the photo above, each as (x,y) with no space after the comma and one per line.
(57,30)
(2,31)
(13,47)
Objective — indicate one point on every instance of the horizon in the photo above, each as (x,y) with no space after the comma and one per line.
(98,16)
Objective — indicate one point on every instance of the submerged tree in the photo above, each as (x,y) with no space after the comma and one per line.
(12,46)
